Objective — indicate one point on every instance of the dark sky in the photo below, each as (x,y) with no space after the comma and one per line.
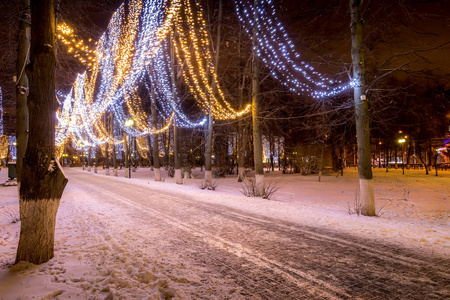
(392,29)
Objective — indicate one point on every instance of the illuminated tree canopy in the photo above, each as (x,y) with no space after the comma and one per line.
(135,51)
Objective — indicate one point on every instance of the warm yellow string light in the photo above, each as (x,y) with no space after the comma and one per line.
(114,67)
(75,45)
(4,146)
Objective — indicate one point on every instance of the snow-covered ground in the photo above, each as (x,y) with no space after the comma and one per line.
(102,249)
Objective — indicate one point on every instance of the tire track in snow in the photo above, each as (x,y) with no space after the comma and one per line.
(257,258)
(406,260)
(247,217)
(233,248)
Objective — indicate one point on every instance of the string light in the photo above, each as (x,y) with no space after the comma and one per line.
(75,45)
(12,147)
(134,51)
(123,58)
(196,67)
(277,51)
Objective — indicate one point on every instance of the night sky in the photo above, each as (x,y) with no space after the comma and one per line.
(415,34)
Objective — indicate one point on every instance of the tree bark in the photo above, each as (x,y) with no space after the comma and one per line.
(176,155)
(127,155)
(321,160)
(114,154)
(156,163)
(89,158)
(208,151)
(362,112)
(242,134)
(166,137)
(96,159)
(176,148)
(257,141)
(107,159)
(22,86)
(114,157)
(43,181)
(149,150)
(210,128)
(422,160)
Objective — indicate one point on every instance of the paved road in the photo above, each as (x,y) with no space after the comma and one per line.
(269,258)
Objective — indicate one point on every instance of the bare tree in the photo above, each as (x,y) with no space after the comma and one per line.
(43,181)
(362,112)
(22,86)
(257,141)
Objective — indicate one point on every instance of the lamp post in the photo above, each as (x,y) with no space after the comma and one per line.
(129,123)
(402,142)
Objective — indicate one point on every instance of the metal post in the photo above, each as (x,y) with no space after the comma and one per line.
(129,156)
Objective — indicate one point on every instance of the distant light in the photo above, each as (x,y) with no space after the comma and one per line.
(401,141)
(129,122)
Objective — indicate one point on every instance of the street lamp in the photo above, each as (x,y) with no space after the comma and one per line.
(129,123)
(402,142)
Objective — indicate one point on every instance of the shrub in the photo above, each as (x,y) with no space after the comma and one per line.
(269,188)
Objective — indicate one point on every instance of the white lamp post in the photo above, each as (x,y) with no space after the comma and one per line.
(402,142)
(129,123)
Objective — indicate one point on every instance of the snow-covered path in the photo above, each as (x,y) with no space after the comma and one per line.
(126,239)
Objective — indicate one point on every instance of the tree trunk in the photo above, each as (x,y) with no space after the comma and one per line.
(156,163)
(362,113)
(22,87)
(386,157)
(107,159)
(435,163)
(430,154)
(242,145)
(242,132)
(408,155)
(257,141)
(114,154)
(176,155)
(96,159)
(208,151)
(167,147)
(422,160)
(89,158)
(321,161)
(272,152)
(149,150)
(210,128)
(176,148)
(114,158)
(127,155)
(396,157)
(43,181)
